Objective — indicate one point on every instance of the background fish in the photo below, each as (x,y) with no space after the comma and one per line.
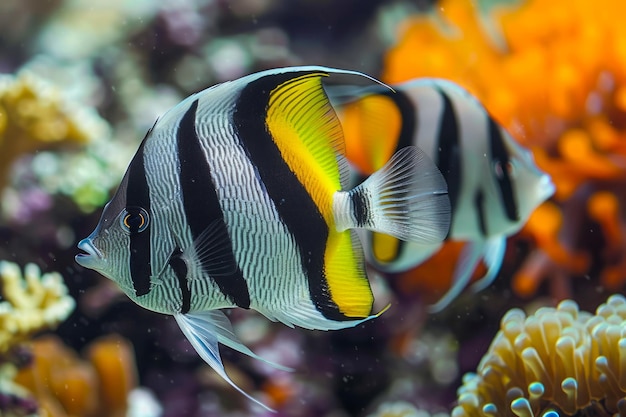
(234,200)
(493,182)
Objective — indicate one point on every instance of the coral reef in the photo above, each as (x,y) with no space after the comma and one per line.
(66,385)
(553,72)
(34,115)
(30,303)
(557,361)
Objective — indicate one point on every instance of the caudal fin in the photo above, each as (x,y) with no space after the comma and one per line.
(407,199)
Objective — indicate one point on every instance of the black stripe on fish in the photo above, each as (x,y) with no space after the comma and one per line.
(202,208)
(479,205)
(407,137)
(138,195)
(293,203)
(448,157)
(179,266)
(500,156)
(360,207)
(408,117)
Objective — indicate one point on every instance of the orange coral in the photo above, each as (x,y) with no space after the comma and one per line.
(66,385)
(554,74)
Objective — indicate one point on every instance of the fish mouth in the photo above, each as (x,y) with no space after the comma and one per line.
(91,258)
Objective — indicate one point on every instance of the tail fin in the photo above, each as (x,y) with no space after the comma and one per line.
(407,199)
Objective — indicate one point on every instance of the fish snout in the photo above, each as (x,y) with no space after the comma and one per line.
(546,187)
(92,257)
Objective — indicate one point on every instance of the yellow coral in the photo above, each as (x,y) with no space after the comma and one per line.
(30,303)
(35,115)
(559,360)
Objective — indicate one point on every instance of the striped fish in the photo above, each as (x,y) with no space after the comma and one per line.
(493,182)
(236,198)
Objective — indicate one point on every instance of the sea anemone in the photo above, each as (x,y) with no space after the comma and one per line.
(558,360)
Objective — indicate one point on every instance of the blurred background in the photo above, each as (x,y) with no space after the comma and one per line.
(82,81)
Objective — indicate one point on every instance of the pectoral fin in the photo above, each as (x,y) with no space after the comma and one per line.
(213,251)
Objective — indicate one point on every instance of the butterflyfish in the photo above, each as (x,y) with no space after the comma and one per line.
(237,197)
(493,182)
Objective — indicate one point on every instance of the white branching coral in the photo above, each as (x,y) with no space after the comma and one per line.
(30,302)
(559,361)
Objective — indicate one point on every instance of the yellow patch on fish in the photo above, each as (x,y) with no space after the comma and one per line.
(385,247)
(308,133)
(348,285)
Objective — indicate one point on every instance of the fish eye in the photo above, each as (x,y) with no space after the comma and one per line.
(134,219)
(500,168)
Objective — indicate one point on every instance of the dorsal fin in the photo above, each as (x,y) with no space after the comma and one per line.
(306,128)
